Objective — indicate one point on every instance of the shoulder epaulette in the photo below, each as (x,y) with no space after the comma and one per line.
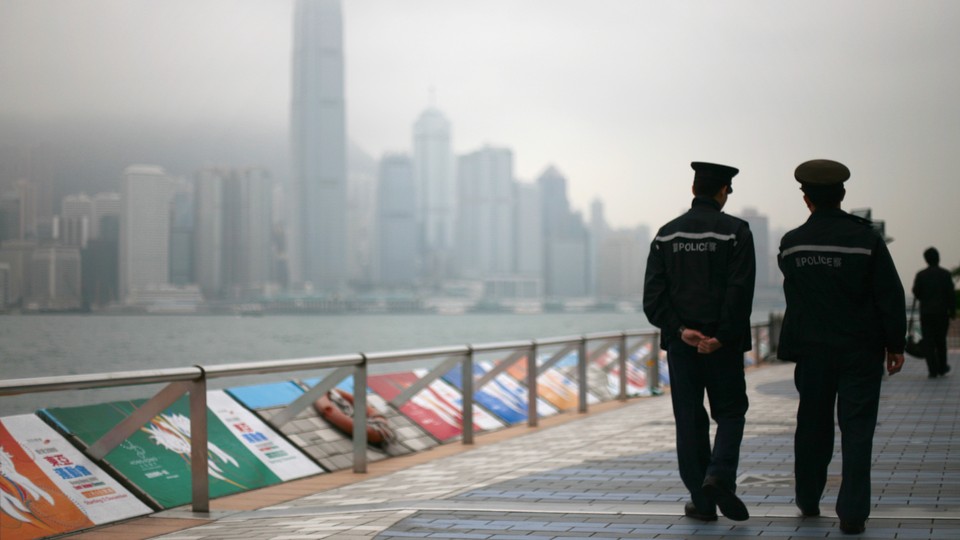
(861,220)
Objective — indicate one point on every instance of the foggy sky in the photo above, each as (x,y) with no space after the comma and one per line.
(619,96)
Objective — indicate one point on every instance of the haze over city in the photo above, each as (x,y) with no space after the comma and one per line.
(618,96)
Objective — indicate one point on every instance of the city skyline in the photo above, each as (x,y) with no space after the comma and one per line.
(619,98)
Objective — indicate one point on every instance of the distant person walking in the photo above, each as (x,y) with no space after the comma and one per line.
(933,288)
(699,291)
(845,314)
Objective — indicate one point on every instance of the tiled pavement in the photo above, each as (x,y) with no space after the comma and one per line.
(613,475)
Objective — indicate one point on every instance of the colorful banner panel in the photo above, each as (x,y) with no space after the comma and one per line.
(553,386)
(437,408)
(327,445)
(47,487)
(599,384)
(636,377)
(502,396)
(243,452)
(446,396)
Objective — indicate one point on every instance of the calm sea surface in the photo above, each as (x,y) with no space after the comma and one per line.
(48,345)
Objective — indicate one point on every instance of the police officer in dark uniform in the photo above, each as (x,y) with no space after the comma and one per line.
(698,290)
(845,314)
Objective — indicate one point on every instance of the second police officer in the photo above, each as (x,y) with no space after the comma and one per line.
(845,315)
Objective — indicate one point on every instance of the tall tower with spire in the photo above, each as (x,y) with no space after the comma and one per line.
(436,190)
(317,194)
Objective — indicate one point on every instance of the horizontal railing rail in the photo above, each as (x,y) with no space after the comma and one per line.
(193,381)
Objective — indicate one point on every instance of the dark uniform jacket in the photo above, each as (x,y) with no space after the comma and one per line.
(700,275)
(933,287)
(842,289)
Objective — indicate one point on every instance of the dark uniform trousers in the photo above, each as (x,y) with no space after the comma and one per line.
(850,381)
(720,374)
(934,329)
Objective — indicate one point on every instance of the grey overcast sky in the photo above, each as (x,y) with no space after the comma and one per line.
(619,95)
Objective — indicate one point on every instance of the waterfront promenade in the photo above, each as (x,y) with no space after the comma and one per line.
(608,474)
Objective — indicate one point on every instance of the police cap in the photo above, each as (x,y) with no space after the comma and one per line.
(721,174)
(821,172)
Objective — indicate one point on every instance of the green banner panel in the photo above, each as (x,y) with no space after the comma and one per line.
(156,458)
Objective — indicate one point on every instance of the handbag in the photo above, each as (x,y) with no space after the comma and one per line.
(914,347)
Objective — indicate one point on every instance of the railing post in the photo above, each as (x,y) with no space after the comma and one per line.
(199,479)
(360,416)
(653,365)
(533,415)
(775,320)
(467,378)
(622,365)
(756,346)
(582,374)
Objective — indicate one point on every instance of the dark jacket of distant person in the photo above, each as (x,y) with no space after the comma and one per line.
(700,274)
(933,288)
(841,286)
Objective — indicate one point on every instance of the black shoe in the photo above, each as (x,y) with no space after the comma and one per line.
(690,510)
(946,369)
(727,501)
(809,511)
(849,527)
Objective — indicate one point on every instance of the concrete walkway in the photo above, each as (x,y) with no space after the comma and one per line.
(613,474)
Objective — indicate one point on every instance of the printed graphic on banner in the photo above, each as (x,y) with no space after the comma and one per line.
(517,391)
(272,450)
(636,377)
(437,408)
(553,386)
(47,487)
(598,381)
(446,396)
(502,396)
(156,458)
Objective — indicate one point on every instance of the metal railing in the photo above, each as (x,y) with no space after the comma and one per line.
(193,381)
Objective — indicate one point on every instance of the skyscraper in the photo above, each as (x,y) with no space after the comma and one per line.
(208,232)
(146,192)
(17,254)
(436,190)
(254,254)
(621,258)
(181,234)
(233,241)
(529,242)
(597,235)
(76,220)
(361,215)
(105,205)
(766,259)
(566,255)
(4,285)
(55,279)
(397,249)
(317,195)
(486,213)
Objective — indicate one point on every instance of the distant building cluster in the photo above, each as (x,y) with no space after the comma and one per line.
(424,229)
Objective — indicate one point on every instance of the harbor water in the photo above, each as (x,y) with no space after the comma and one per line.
(50,345)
